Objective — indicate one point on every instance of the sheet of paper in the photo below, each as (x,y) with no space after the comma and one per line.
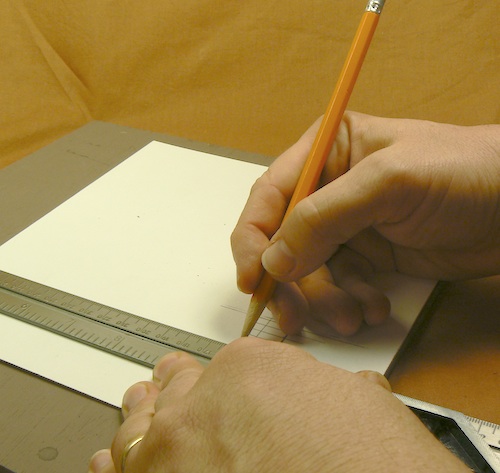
(151,237)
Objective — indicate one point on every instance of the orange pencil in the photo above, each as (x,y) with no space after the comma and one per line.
(323,143)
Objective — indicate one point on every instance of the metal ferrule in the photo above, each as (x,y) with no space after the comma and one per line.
(375,6)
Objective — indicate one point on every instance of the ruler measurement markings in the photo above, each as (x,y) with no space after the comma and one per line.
(58,325)
(127,335)
(5,306)
(85,335)
(488,430)
(128,349)
(24,309)
(70,324)
(72,332)
(490,433)
(77,334)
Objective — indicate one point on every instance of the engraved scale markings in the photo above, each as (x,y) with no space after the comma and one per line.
(121,333)
(489,431)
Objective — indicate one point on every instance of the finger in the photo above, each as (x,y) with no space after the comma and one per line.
(289,307)
(102,462)
(374,191)
(263,213)
(329,304)
(258,222)
(312,300)
(358,137)
(315,298)
(171,365)
(137,393)
(175,374)
(376,378)
(139,409)
(350,271)
(368,134)
(143,400)
(312,232)
(374,248)
(268,200)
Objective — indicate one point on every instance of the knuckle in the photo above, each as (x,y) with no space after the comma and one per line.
(313,221)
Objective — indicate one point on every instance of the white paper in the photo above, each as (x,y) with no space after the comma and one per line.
(151,237)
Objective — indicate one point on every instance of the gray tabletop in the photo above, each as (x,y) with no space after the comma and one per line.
(46,428)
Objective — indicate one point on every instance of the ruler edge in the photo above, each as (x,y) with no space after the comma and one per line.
(465,422)
(483,447)
(102,323)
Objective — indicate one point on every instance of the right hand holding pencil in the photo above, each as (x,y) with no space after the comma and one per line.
(416,197)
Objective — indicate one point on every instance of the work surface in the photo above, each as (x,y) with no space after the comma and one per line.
(454,362)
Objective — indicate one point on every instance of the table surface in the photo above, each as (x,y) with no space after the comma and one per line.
(46,428)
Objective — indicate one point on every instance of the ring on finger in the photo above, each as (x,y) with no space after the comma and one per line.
(127,450)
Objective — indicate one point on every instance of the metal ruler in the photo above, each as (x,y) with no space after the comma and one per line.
(121,333)
(489,432)
(472,440)
(136,338)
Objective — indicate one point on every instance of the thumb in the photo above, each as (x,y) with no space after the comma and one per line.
(329,217)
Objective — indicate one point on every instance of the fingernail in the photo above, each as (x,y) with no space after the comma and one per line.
(376,378)
(133,396)
(161,369)
(99,461)
(372,376)
(274,309)
(278,260)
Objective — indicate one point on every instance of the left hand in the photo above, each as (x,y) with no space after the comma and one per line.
(266,406)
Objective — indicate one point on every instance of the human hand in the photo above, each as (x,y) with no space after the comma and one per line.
(416,197)
(267,407)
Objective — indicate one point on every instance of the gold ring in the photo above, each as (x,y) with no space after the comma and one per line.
(127,449)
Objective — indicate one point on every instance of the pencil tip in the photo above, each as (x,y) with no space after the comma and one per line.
(255,310)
